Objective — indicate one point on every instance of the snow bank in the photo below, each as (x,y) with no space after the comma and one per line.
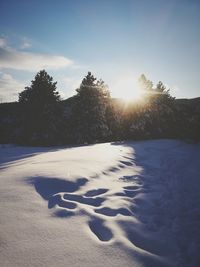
(112,204)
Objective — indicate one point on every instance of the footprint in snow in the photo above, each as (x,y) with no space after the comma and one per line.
(113,212)
(62,195)
(127,163)
(133,187)
(98,228)
(96,192)
(96,202)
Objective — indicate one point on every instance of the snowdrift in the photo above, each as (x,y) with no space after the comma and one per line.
(131,204)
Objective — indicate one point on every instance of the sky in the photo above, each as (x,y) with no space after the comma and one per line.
(117,40)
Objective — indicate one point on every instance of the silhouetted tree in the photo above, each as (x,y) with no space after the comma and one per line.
(154,118)
(42,114)
(114,118)
(89,120)
(41,92)
(161,95)
(40,118)
(145,84)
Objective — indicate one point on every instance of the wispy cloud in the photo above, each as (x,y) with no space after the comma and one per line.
(11,58)
(69,85)
(2,42)
(9,88)
(26,43)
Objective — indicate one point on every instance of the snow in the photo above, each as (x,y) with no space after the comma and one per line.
(113,204)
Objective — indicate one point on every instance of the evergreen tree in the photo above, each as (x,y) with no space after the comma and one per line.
(89,112)
(162,94)
(114,119)
(145,84)
(42,91)
(155,117)
(42,114)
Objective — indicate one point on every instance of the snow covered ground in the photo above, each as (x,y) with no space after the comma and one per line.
(115,204)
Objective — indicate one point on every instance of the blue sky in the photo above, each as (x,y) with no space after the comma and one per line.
(117,40)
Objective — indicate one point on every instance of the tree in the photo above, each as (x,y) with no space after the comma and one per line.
(162,94)
(158,95)
(145,84)
(42,114)
(89,113)
(42,91)
(154,118)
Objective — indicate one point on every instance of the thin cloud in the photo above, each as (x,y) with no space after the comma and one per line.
(11,58)
(9,88)
(25,44)
(3,42)
(69,85)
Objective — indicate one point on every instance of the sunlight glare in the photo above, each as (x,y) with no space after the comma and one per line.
(127,89)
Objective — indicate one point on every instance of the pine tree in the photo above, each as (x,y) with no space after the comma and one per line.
(155,117)
(42,91)
(89,113)
(162,94)
(42,114)
(145,84)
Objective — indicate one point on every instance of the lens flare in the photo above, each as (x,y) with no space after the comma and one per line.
(127,89)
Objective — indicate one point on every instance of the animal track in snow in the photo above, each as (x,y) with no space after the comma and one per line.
(127,193)
(113,212)
(85,200)
(96,192)
(133,187)
(63,213)
(65,197)
(98,228)
(47,187)
(60,201)
(127,163)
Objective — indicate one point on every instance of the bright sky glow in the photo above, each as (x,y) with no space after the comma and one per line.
(114,39)
(126,87)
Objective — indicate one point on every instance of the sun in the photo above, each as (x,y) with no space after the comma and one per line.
(132,94)
(128,90)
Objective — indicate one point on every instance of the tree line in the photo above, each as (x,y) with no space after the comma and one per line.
(40,117)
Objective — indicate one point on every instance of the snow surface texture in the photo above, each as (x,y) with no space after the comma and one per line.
(115,204)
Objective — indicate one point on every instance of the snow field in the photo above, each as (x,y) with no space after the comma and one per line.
(112,204)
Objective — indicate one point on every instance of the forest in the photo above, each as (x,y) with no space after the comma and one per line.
(42,118)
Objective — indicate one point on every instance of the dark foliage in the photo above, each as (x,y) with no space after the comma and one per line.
(42,118)
(41,121)
(10,114)
(89,112)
